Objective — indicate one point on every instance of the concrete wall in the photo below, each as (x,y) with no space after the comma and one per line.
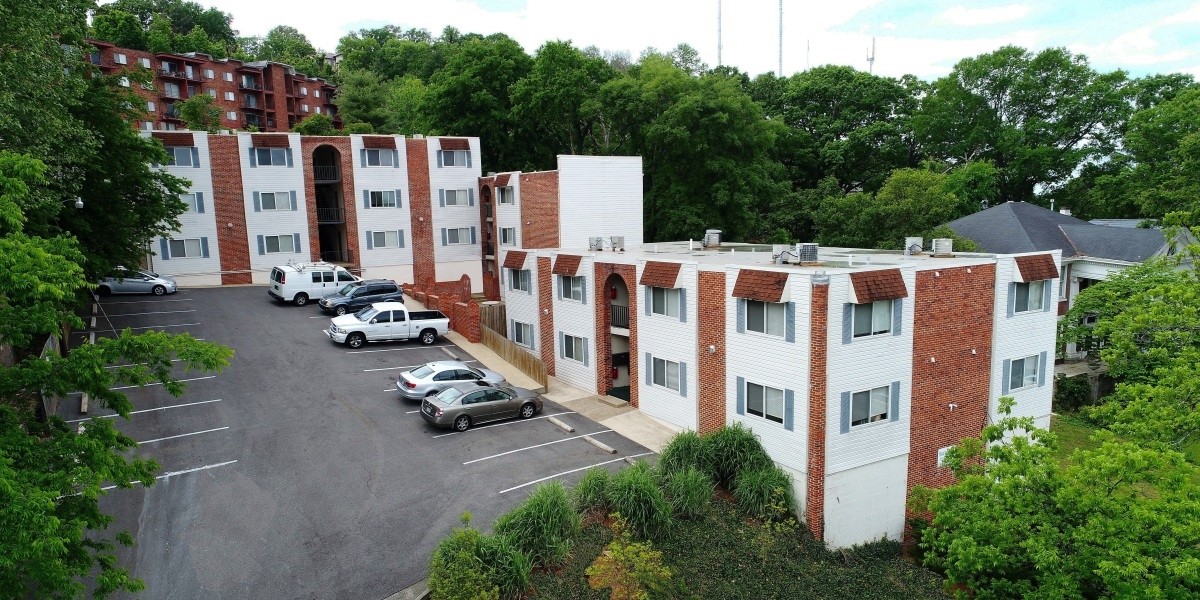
(865,503)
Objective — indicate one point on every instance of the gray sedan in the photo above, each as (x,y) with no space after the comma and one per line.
(465,404)
(128,281)
(431,378)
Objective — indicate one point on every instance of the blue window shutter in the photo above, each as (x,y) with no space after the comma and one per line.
(253,158)
(1046,287)
(683,305)
(472,235)
(204,247)
(367,199)
(257,203)
(845,412)
(894,410)
(442,198)
(289,157)
(164,249)
(370,240)
(582,288)
(439,158)
(585,353)
(292,196)
(262,246)
(741,395)
(1006,373)
(1012,298)
(562,345)
(789,409)
(789,322)
(649,299)
(847,323)
(470,196)
(649,369)
(468,153)
(512,329)
(1041,369)
(362,157)
(897,315)
(399,198)
(444,236)
(195,157)
(296,243)
(396,159)
(399,238)
(741,315)
(683,379)
(200,202)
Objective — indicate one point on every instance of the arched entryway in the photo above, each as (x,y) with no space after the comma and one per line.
(330,204)
(616,318)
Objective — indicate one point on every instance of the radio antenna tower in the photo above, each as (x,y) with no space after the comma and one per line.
(781,38)
(718,33)
(871,58)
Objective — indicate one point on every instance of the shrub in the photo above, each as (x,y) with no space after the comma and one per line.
(690,491)
(456,571)
(632,569)
(543,525)
(766,493)
(591,493)
(634,493)
(732,450)
(510,567)
(685,450)
(1071,393)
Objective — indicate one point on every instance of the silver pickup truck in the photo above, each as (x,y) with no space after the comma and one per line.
(386,321)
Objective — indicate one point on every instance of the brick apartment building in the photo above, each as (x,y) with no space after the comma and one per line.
(269,96)
(856,368)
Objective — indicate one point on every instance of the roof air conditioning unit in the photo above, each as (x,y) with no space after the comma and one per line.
(914,245)
(595,243)
(807,253)
(781,253)
(617,242)
(943,247)
(712,238)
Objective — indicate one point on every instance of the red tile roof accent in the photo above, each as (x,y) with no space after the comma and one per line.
(566,264)
(502,179)
(870,286)
(379,141)
(764,286)
(455,143)
(515,259)
(660,274)
(269,140)
(1037,267)
(171,138)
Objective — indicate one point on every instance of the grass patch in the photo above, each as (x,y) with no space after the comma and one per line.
(543,525)
(1073,432)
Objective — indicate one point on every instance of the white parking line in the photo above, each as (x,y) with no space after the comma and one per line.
(406,367)
(171,437)
(600,464)
(536,446)
(413,412)
(321,317)
(395,349)
(569,412)
(183,472)
(144,301)
(157,312)
(164,326)
(125,387)
(145,410)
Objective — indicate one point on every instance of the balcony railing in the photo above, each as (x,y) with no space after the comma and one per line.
(342,256)
(256,122)
(488,249)
(251,105)
(250,85)
(170,113)
(325,172)
(619,316)
(330,215)
(171,94)
(177,74)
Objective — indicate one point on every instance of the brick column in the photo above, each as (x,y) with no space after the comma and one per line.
(814,510)
(628,275)
(229,207)
(546,312)
(711,326)
(421,210)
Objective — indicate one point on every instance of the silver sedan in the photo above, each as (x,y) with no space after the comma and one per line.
(128,281)
(465,404)
(431,378)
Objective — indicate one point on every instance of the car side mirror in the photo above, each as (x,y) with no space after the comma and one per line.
(373,321)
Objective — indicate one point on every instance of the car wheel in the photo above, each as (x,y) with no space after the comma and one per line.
(462,423)
(339,311)
(527,411)
(104,290)
(301,299)
(159,290)
(356,340)
(428,337)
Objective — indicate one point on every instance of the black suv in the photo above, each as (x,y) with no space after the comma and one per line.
(361,294)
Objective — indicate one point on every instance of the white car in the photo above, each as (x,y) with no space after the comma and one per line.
(387,321)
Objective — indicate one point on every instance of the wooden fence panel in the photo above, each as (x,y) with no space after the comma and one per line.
(515,355)
(495,316)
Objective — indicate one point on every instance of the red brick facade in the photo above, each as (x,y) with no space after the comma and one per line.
(710,309)
(308,146)
(627,274)
(546,319)
(229,208)
(818,348)
(489,235)
(539,210)
(424,271)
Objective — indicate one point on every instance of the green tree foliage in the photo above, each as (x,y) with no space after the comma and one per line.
(183,15)
(315,124)
(197,40)
(201,113)
(911,203)
(391,52)
(1119,522)
(362,98)
(557,106)
(1163,146)
(287,45)
(161,36)
(119,27)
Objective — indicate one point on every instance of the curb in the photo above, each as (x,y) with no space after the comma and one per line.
(416,591)
(561,425)
(599,444)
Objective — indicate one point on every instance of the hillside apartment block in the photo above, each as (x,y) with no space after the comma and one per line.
(268,96)
(857,369)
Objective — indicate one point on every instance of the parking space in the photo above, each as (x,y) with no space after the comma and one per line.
(299,471)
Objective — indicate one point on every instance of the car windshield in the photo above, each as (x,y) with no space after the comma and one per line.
(421,372)
(366,314)
(149,274)
(346,289)
(477,372)
(449,395)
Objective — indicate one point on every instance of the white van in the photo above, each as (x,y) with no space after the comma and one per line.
(299,282)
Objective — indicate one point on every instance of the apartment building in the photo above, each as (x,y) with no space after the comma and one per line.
(385,206)
(268,96)
(857,369)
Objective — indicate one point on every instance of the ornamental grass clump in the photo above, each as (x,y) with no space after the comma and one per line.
(543,526)
(766,493)
(685,450)
(634,493)
(591,493)
(510,566)
(732,450)
(689,491)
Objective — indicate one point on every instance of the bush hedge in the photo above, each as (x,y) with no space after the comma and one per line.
(456,572)
(685,450)
(543,526)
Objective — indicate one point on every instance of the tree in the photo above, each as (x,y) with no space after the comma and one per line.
(183,15)
(161,35)
(1117,523)
(200,113)
(120,28)
(911,202)
(287,45)
(406,114)
(197,40)
(362,98)
(557,104)
(315,124)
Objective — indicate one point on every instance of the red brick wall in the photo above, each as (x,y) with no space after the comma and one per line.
(424,272)
(628,274)
(309,145)
(952,318)
(710,306)
(490,235)
(229,206)
(546,318)
(814,509)
(539,210)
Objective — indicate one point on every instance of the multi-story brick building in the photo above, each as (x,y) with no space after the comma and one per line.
(856,368)
(266,95)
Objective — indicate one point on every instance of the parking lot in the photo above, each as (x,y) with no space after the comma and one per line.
(298,472)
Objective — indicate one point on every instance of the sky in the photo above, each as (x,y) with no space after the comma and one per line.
(919,37)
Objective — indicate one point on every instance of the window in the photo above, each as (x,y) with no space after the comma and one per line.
(508,236)
(322,277)
(1029,296)
(179,156)
(666,374)
(505,195)
(149,106)
(171,90)
(120,58)
(456,158)
(1023,373)
(765,317)
(303,91)
(385,239)
(383,199)
(212,93)
(229,96)
(574,348)
(458,198)
(271,156)
(303,108)
(941,459)
(380,158)
(570,288)
(231,115)
(193,206)
(228,76)
(317,94)
(124,81)
(765,402)
(523,333)
(248,81)
(189,248)
(519,280)
(869,406)
(460,235)
(250,100)
(169,126)
(873,318)
(208,74)
(145,62)
(278,243)
(276,200)
(318,110)
(665,301)
(147,125)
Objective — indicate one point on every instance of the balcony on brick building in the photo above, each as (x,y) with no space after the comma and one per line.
(619,316)
(171,112)
(330,215)
(326,173)
(255,121)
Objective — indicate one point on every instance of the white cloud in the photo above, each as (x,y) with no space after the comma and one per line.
(1191,15)
(1136,47)
(962,16)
